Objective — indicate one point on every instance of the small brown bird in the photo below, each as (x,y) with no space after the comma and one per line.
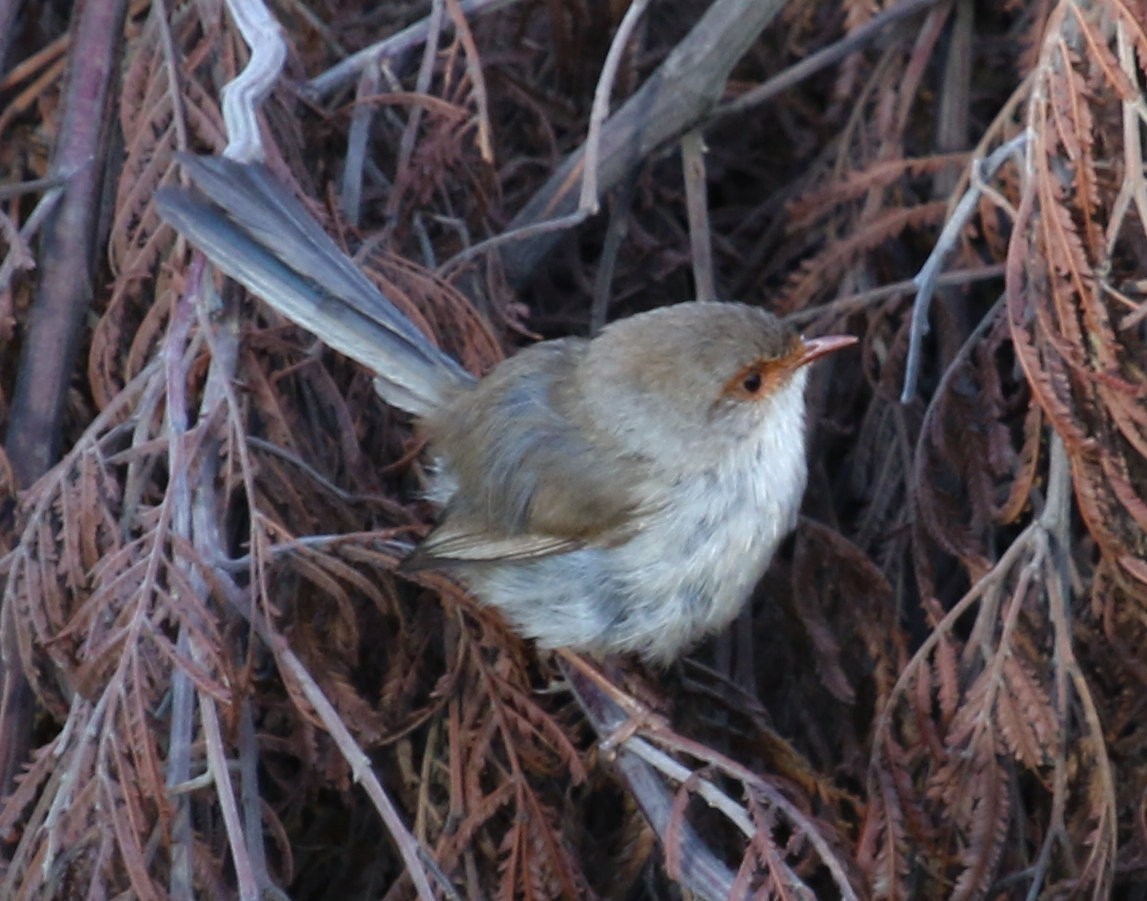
(619,494)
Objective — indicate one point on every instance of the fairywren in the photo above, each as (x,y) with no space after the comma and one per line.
(619,494)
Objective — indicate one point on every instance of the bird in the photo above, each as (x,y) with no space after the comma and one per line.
(621,494)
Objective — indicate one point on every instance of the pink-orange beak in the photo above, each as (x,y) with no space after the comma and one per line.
(815,348)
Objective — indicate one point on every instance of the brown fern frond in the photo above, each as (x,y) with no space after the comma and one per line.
(884,841)
(989,793)
(945,671)
(804,209)
(156,123)
(777,878)
(821,271)
(1075,121)
(538,729)
(1028,723)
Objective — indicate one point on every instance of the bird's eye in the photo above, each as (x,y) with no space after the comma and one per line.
(752,382)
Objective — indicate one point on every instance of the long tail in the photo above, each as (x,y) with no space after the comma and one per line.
(261,236)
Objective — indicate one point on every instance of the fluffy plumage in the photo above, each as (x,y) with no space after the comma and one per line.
(620,494)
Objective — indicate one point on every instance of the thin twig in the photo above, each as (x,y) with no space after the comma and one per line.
(771,796)
(850,303)
(244,94)
(394,46)
(251,802)
(17,257)
(1055,519)
(925,280)
(697,206)
(700,870)
(181,725)
(358,761)
(614,713)
(358,135)
(589,163)
(225,793)
(421,86)
(588,200)
(822,59)
(222,337)
(671,101)
(615,233)
(477,80)
(8,191)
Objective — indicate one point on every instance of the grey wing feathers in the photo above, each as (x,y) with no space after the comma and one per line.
(451,544)
(530,479)
(261,236)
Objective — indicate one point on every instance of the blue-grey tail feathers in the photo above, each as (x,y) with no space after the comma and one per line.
(256,232)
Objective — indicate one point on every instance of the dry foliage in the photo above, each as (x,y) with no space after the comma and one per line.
(940,689)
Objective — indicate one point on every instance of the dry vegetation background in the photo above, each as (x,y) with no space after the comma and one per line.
(214,685)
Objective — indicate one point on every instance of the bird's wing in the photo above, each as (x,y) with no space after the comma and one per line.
(532,479)
(456,543)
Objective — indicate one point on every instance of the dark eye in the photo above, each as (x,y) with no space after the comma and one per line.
(752,382)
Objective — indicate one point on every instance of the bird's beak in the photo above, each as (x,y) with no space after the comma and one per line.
(815,348)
